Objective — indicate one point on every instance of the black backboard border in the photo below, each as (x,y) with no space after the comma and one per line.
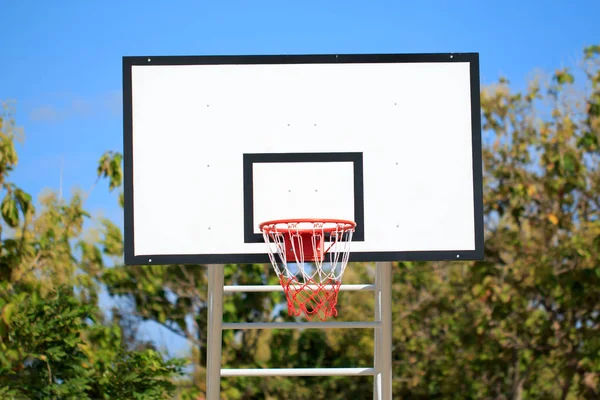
(129,62)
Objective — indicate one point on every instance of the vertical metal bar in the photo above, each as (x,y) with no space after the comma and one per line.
(386,330)
(215,323)
(377,336)
(382,384)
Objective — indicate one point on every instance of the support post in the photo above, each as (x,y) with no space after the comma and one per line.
(382,382)
(215,333)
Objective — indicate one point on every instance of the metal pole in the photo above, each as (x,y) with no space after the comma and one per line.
(215,323)
(377,336)
(382,382)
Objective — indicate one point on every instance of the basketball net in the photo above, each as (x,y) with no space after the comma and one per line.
(309,258)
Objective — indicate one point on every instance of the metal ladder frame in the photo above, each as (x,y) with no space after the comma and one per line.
(382,325)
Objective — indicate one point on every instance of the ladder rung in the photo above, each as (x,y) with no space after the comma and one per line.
(298,372)
(277,288)
(300,325)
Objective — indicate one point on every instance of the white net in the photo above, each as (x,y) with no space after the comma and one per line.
(309,258)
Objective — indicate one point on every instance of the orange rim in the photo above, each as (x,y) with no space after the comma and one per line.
(271,226)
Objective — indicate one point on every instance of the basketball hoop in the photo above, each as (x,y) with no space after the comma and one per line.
(297,249)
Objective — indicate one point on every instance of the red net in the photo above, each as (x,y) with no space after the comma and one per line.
(311,298)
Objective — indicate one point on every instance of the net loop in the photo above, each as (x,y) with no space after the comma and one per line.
(309,257)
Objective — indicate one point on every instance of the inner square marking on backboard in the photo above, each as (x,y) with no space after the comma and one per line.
(250,236)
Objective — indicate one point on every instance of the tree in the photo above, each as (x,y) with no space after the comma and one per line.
(523,323)
(54,341)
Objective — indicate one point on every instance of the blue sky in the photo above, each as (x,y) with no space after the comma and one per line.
(61,60)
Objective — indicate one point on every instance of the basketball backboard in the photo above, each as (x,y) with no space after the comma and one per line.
(214,145)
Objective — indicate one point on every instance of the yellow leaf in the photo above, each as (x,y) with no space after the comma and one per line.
(552,218)
(531,190)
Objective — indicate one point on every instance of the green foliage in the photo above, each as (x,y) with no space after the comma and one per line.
(14,203)
(54,341)
(44,354)
(110,167)
(41,353)
(139,375)
(9,132)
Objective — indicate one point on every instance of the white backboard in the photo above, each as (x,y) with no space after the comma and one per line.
(214,145)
